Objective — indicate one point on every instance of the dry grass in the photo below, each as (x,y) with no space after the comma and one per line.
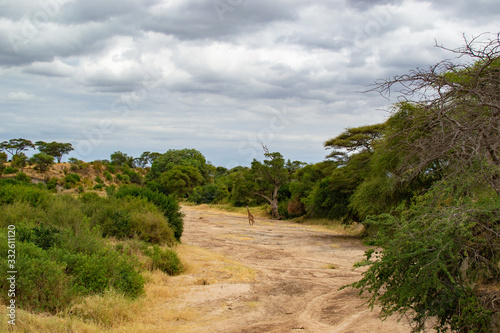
(162,309)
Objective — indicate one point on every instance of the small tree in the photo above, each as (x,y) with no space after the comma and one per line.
(19,161)
(42,161)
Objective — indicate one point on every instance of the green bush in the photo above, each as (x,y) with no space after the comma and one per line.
(207,194)
(167,204)
(17,191)
(436,255)
(22,177)
(128,217)
(52,183)
(97,272)
(165,260)
(108,176)
(111,168)
(70,180)
(42,236)
(9,170)
(41,285)
(98,180)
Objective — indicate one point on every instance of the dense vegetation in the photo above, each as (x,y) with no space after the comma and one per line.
(425,184)
(63,249)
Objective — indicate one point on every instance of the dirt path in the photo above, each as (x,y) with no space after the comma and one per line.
(292,280)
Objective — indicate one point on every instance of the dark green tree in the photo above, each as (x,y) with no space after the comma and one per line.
(56,149)
(178,157)
(180,180)
(121,159)
(440,255)
(16,146)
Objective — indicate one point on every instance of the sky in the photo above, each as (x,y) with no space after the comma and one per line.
(219,76)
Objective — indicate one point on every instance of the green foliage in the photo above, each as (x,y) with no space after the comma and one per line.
(355,139)
(23,178)
(128,217)
(19,161)
(180,180)
(183,157)
(121,159)
(165,260)
(16,146)
(42,161)
(3,159)
(167,204)
(108,176)
(55,149)
(71,180)
(209,193)
(434,256)
(52,183)
(11,191)
(9,170)
(43,285)
(97,272)
(43,236)
(60,252)
(331,196)
(133,176)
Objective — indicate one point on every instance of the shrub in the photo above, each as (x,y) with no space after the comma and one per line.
(17,191)
(207,194)
(22,177)
(42,236)
(43,285)
(9,170)
(111,168)
(108,176)
(52,183)
(165,260)
(98,180)
(436,255)
(167,204)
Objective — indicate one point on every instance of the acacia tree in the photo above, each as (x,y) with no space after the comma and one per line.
(55,149)
(440,254)
(16,146)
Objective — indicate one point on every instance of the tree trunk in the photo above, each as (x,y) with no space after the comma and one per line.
(273,201)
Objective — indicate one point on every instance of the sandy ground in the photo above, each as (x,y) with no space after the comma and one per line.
(286,278)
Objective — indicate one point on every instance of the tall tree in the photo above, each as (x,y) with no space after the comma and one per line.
(441,252)
(265,178)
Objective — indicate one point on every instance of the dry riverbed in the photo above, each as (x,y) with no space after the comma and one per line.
(274,276)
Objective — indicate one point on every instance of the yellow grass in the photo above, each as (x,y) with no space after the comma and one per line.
(162,309)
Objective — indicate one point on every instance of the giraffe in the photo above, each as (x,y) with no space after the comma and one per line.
(251,220)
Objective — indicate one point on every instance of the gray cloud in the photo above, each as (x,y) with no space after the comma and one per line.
(219,76)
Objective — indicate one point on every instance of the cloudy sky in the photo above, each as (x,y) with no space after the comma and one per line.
(219,76)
